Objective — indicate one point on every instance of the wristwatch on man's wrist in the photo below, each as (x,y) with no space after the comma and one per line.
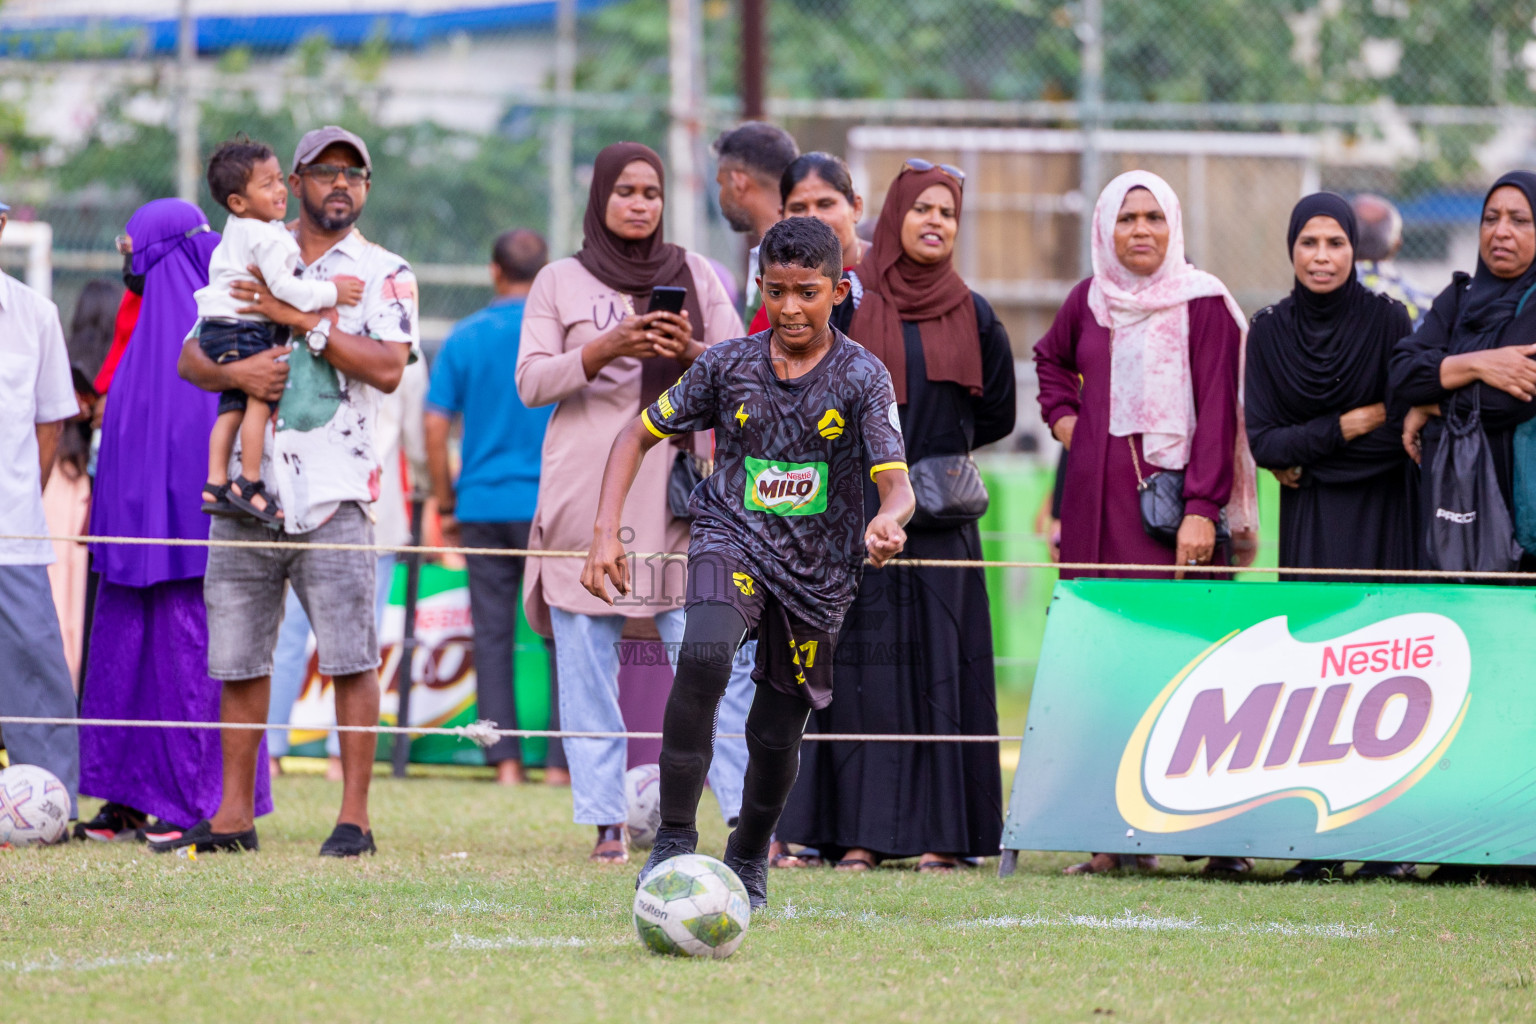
(319,336)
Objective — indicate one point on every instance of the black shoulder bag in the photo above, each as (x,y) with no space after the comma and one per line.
(1162,504)
(949,492)
(688,471)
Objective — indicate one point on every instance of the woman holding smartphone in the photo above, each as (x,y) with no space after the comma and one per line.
(603,336)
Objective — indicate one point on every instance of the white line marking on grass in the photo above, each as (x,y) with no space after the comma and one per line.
(512,942)
(1128,921)
(100,963)
(473,905)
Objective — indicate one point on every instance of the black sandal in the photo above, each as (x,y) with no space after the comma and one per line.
(248,489)
(220,505)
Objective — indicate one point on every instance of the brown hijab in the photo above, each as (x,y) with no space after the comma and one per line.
(898,288)
(634,268)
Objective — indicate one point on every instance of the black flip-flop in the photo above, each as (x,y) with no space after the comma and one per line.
(220,505)
(247,490)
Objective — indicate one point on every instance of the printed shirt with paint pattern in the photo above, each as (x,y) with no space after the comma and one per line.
(787,492)
(323,452)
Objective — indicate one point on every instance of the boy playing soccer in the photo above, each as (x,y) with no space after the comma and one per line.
(246,179)
(800,413)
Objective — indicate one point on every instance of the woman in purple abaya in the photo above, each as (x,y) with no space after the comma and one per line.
(149,636)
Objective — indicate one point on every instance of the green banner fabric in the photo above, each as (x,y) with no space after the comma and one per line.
(1289,720)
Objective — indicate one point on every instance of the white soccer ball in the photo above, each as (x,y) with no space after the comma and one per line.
(692,905)
(34,806)
(642,790)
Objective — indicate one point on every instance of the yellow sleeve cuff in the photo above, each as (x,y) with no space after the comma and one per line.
(645,417)
(882,467)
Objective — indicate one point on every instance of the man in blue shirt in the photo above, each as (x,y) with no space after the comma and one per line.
(498,486)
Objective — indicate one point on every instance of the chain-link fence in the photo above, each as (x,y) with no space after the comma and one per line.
(484,114)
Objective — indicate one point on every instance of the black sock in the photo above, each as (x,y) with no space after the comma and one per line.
(774,728)
(710,639)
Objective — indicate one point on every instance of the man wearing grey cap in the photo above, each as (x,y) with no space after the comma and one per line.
(321,460)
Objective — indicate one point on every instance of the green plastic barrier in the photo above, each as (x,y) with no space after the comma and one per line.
(1019,597)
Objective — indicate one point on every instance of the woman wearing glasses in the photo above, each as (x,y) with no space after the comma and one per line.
(915,655)
(1139,374)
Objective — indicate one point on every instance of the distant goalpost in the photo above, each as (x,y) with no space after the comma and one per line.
(35,240)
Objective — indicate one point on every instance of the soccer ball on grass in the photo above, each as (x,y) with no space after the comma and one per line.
(692,905)
(34,806)
(642,789)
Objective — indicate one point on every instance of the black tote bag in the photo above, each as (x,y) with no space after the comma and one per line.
(1470,527)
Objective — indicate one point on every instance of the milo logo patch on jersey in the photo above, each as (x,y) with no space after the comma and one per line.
(786,488)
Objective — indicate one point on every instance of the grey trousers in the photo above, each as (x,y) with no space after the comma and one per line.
(34,677)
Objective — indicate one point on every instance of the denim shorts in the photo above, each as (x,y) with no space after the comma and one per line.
(243,590)
(228,341)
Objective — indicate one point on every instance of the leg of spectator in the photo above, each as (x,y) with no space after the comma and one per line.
(244,700)
(586,647)
(290,666)
(495,589)
(384,581)
(36,683)
(557,772)
(357,703)
(338,589)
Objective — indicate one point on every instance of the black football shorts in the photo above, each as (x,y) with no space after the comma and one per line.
(792,657)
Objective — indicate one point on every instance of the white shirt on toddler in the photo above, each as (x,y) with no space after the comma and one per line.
(270,246)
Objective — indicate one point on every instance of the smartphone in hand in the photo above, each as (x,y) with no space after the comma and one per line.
(667,298)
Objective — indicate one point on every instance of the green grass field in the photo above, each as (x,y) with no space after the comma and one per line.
(481,906)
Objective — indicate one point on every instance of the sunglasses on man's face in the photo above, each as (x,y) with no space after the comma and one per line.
(328,172)
(917,163)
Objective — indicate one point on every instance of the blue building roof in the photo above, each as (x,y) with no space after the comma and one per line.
(109,35)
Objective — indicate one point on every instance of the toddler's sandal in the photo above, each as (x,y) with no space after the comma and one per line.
(220,505)
(242,491)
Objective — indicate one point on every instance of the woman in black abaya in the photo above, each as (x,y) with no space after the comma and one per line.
(915,654)
(1317,416)
(1480,337)
(1316,409)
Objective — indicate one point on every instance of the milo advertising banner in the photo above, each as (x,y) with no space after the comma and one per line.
(1316,721)
(442,676)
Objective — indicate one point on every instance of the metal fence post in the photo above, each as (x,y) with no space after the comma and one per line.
(188,166)
(1090,99)
(561,202)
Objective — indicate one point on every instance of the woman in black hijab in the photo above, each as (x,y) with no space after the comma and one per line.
(1317,417)
(1478,338)
(1315,402)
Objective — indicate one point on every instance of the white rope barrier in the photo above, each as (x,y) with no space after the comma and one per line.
(1449,575)
(483,732)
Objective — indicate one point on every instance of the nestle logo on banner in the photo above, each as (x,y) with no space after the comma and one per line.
(1379,656)
(1349,723)
(1456,517)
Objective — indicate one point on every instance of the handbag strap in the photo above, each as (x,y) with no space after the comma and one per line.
(1141,482)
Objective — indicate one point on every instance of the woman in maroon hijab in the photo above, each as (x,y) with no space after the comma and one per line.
(915,655)
(589,346)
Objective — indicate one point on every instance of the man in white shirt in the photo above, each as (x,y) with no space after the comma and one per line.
(36,396)
(322,460)
(397,428)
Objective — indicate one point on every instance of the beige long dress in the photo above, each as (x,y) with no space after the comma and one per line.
(567,308)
